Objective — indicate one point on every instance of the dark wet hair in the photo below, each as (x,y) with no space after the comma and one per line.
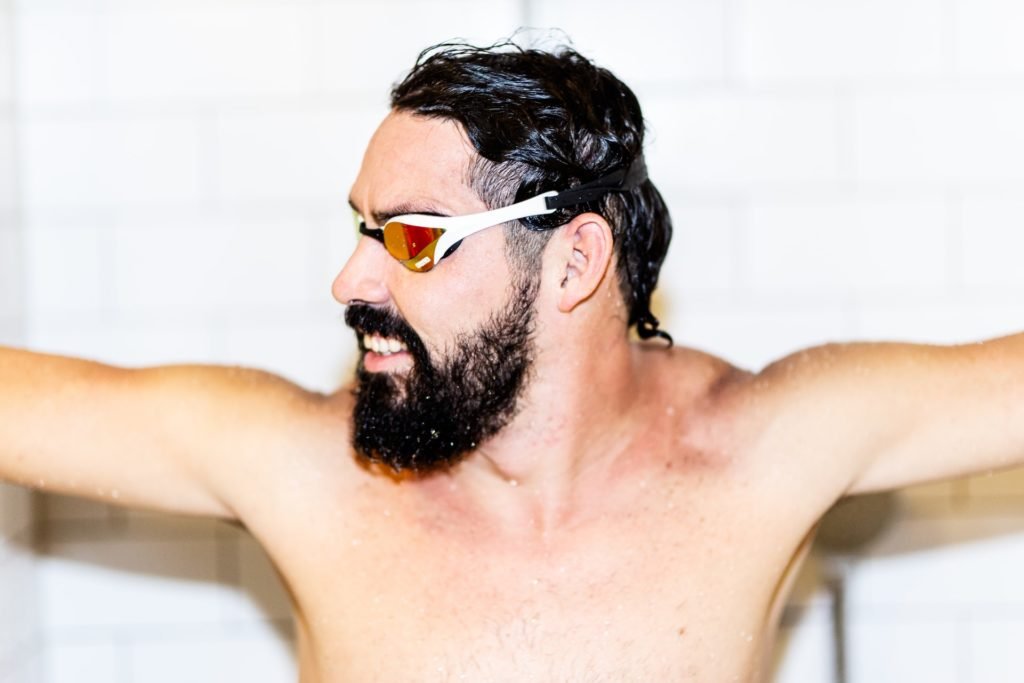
(542,121)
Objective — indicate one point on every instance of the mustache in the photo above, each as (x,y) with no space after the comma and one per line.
(366,319)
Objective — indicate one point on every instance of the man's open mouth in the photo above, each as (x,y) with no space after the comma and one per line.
(385,346)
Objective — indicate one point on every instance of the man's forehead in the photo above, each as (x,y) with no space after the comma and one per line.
(416,160)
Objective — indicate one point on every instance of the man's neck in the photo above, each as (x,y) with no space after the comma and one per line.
(576,420)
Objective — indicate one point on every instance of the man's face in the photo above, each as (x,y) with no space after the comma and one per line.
(444,354)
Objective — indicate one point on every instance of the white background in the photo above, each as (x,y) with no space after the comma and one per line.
(173,177)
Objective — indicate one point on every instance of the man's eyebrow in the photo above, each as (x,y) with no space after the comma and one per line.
(381,216)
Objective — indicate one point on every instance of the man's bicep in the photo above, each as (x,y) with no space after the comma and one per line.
(156,438)
(888,415)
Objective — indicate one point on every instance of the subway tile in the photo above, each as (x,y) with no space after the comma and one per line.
(846,245)
(24,667)
(942,562)
(306,154)
(968,137)
(784,40)
(8,167)
(64,269)
(6,56)
(1006,484)
(156,525)
(101,161)
(164,340)
(316,354)
(211,264)
(12,292)
(702,255)
(58,507)
(23,6)
(58,53)
(16,508)
(995,655)
(993,240)
(260,595)
(804,650)
(126,582)
(938,322)
(682,41)
(12,331)
(752,338)
(356,56)
(896,650)
(70,662)
(933,498)
(735,141)
(232,50)
(988,37)
(18,598)
(259,658)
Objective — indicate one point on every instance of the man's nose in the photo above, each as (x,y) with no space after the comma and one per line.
(362,276)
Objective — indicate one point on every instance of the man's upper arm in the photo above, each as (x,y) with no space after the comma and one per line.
(167,438)
(885,415)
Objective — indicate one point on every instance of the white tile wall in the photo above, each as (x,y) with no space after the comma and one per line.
(306,154)
(96,159)
(994,655)
(363,47)
(19,626)
(11,288)
(838,40)
(738,141)
(855,244)
(208,264)
(890,648)
(962,136)
(58,53)
(988,37)
(993,235)
(168,51)
(835,169)
(672,42)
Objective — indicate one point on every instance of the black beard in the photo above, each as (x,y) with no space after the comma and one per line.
(431,418)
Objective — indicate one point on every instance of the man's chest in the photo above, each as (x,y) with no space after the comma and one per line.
(672,590)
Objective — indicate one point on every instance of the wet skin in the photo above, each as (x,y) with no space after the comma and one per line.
(639,519)
(636,535)
(670,563)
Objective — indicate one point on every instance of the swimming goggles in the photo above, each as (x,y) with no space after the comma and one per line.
(419,241)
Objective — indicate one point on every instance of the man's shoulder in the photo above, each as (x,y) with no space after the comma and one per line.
(685,370)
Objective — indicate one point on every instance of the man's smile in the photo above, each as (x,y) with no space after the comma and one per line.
(384,354)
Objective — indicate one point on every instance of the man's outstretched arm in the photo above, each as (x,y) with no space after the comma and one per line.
(168,438)
(888,415)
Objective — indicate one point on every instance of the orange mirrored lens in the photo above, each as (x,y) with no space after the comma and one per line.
(411,242)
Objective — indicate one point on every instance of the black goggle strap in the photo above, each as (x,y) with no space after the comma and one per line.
(375,233)
(621,180)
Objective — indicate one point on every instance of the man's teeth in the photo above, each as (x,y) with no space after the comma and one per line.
(382,345)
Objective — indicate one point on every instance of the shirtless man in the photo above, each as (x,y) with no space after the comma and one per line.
(513,490)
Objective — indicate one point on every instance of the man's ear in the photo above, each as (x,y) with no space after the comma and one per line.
(584,252)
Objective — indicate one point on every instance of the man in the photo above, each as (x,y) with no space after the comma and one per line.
(512,489)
